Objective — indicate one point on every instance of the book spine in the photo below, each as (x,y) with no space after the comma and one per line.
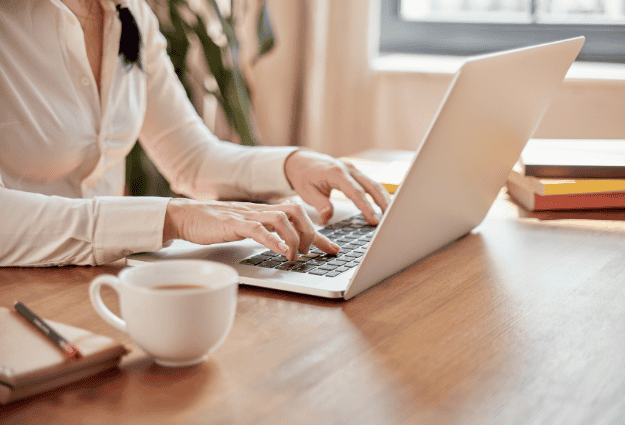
(578,201)
(587,201)
(549,186)
(573,171)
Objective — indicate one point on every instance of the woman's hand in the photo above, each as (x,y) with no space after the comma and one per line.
(313,176)
(209,222)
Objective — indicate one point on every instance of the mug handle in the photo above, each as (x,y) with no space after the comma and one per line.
(98,304)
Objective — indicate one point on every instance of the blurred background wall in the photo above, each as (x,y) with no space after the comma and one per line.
(320,87)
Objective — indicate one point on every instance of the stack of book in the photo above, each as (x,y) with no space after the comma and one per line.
(569,174)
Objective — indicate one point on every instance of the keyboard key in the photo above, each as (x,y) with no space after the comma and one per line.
(288,265)
(270,264)
(319,261)
(337,262)
(327,267)
(332,274)
(253,261)
(360,243)
(341,243)
(304,268)
(341,269)
(318,272)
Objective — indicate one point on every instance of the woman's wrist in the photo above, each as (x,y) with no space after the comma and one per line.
(174,216)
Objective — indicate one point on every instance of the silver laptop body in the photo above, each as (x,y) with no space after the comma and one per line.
(490,111)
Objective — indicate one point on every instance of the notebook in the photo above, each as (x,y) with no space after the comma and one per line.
(490,111)
(31,364)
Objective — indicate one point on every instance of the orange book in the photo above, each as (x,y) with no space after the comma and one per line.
(570,201)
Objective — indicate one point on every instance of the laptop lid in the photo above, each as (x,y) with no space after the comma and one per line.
(491,110)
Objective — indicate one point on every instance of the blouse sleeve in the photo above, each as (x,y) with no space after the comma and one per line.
(192,159)
(40,230)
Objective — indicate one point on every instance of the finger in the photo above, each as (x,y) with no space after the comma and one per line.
(279,221)
(302,223)
(257,231)
(344,182)
(325,244)
(313,195)
(376,190)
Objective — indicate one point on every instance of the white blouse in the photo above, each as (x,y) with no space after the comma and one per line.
(63,144)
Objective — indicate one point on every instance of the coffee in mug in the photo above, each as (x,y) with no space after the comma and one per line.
(178,311)
(177,287)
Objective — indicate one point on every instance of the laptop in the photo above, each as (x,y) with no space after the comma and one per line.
(490,111)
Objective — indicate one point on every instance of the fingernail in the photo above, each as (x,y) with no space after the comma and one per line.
(335,247)
(283,248)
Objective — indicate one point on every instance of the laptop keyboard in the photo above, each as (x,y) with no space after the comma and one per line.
(352,235)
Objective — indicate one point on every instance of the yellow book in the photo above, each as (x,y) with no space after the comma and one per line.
(389,174)
(544,186)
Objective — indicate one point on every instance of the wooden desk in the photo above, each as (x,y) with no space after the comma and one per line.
(522,321)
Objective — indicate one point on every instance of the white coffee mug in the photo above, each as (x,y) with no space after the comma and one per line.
(178,311)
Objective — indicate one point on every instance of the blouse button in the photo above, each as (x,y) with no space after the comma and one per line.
(84,81)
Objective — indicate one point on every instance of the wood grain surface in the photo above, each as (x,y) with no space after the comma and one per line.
(520,322)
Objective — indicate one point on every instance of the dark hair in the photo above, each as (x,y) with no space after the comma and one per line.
(130,40)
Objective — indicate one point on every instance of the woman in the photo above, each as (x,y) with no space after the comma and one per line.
(78,85)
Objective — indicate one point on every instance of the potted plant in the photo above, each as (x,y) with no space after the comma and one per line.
(183,25)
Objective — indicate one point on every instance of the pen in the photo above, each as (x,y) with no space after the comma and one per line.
(67,347)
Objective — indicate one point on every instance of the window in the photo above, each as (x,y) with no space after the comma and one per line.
(466,27)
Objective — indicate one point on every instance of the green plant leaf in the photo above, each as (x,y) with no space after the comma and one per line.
(212,54)
(234,92)
(240,105)
(228,30)
(177,43)
(266,38)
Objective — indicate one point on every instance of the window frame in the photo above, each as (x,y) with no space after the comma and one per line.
(604,43)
